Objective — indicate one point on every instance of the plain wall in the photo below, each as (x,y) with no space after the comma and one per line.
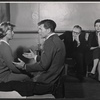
(26,16)
(65,14)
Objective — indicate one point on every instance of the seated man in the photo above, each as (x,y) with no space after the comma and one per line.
(76,48)
(51,61)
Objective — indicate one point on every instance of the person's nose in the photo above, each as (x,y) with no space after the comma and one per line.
(13,33)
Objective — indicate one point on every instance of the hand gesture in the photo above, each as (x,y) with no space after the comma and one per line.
(77,39)
(30,55)
(19,64)
(86,36)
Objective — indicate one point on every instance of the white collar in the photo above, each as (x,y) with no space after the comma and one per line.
(50,35)
(4,41)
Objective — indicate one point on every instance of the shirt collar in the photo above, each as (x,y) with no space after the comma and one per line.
(4,41)
(50,35)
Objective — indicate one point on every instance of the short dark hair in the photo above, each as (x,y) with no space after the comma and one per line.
(48,23)
(97,21)
(77,26)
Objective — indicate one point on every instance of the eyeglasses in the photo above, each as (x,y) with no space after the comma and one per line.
(77,33)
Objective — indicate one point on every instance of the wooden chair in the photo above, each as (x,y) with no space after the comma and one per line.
(69,62)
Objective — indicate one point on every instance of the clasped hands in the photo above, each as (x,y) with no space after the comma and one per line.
(21,64)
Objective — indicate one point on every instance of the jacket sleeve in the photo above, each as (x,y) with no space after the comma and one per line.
(45,60)
(83,42)
(62,36)
(92,42)
(8,57)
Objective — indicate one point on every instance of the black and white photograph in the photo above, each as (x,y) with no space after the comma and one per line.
(50,50)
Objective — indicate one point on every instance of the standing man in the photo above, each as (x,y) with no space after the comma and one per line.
(75,44)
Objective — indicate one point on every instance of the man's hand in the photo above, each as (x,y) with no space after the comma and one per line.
(77,39)
(30,55)
(19,64)
(87,36)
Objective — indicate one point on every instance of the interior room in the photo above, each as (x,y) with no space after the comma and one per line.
(26,15)
(66,14)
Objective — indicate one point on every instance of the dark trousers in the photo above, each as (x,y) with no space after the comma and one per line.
(26,88)
(29,88)
(80,64)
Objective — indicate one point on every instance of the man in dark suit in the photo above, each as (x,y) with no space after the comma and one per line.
(76,46)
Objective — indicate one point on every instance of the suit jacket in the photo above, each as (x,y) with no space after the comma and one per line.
(92,40)
(51,61)
(71,46)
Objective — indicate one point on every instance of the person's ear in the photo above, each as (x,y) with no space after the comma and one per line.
(49,30)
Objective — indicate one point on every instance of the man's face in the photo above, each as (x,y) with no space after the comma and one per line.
(76,32)
(97,27)
(42,31)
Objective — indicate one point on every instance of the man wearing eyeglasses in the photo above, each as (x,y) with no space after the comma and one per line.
(75,33)
(76,46)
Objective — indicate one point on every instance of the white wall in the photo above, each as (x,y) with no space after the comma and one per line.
(66,14)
